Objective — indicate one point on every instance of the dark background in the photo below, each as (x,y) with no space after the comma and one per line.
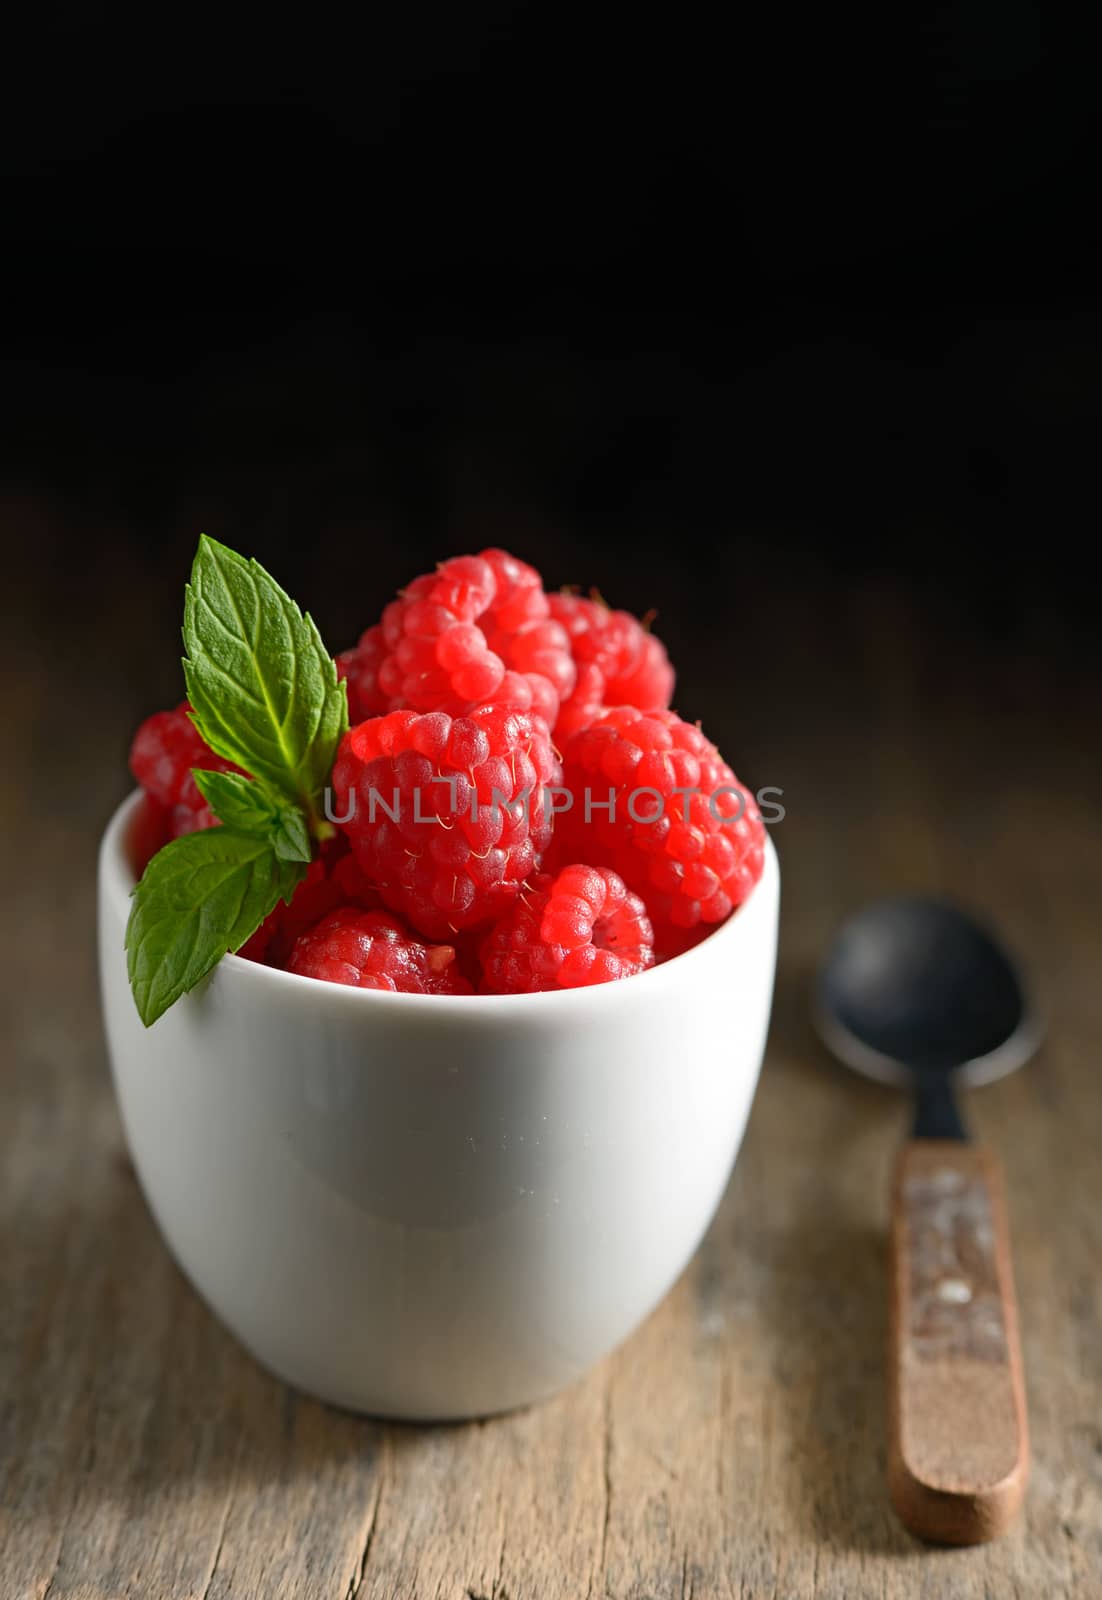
(782,333)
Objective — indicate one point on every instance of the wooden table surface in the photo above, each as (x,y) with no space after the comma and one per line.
(735,1445)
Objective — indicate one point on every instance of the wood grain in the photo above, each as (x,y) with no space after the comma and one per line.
(736,1446)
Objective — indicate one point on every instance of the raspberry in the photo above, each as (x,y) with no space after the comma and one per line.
(447,816)
(476,631)
(360,668)
(165,749)
(692,856)
(582,927)
(332,879)
(670,941)
(149,831)
(191,815)
(372,950)
(619,662)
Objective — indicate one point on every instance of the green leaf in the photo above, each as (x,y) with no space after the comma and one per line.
(291,840)
(237,801)
(251,807)
(201,896)
(263,687)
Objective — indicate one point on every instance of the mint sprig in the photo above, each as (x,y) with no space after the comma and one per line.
(251,807)
(264,695)
(262,685)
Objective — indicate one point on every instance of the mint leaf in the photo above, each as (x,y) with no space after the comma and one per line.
(291,840)
(263,688)
(251,807)
(201,896)
(237,801)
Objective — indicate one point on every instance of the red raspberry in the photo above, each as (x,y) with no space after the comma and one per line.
(360,668)
(165,749)
(149,832)
(332,879)
(693,856)
(582,927)
(447,816)
(670,941)
(372,950)
(619,662)
(476,631)
(192,815)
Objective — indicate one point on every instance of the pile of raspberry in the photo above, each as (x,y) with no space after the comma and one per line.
(514,808)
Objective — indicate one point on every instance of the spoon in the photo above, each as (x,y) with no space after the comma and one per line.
(913,992)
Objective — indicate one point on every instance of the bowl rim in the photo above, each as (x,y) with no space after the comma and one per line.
(117,881)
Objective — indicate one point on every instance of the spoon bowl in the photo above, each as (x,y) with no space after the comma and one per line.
(914,986)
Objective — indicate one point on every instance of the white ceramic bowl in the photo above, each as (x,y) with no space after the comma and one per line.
(436,1207)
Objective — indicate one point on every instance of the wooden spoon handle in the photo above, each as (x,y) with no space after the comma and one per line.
(958,1451)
